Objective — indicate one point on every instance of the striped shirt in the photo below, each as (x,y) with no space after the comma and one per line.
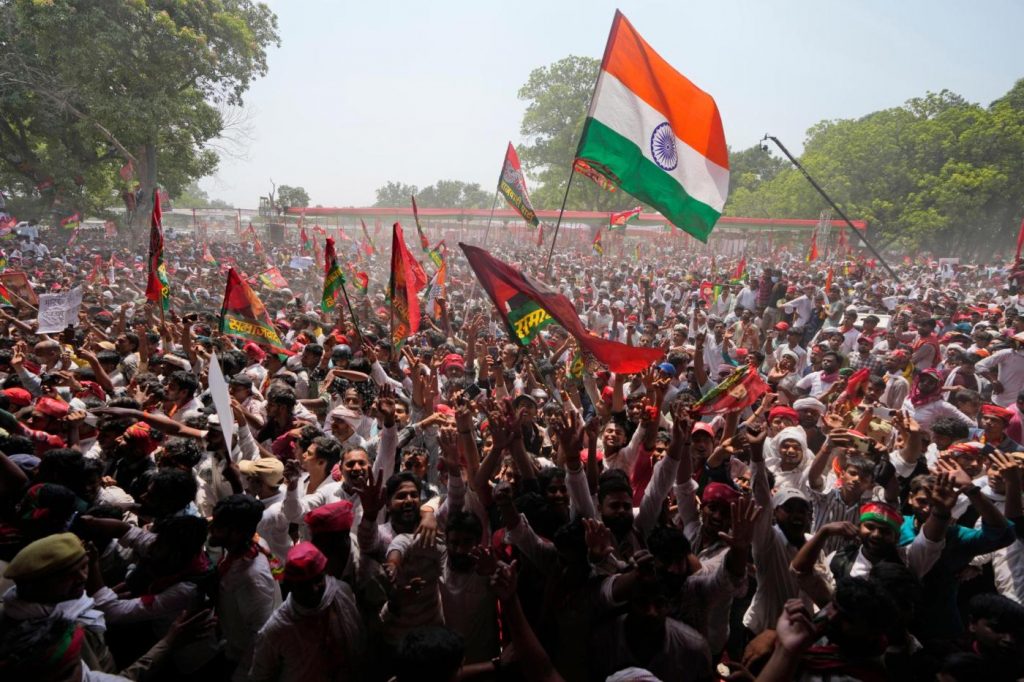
(828,506)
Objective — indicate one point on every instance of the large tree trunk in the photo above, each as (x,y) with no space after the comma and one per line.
(147,180)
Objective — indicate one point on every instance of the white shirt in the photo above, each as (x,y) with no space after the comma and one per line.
(247,597)
(1009,365)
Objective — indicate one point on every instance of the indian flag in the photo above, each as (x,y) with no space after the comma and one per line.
(655,134)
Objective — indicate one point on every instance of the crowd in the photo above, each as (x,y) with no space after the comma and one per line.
(462,506)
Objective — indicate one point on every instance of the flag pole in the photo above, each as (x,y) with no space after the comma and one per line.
(558,224)
(348,304)
(831,203)
(487,230)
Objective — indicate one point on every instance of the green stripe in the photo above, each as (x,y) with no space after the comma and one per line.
(633,172)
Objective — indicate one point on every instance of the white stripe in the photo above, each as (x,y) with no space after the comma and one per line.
(617,107)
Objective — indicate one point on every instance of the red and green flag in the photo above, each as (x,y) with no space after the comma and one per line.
(740,390)
(619,220)
(435,256)
(361,281)
(741,269)
(334,279)
(244,316)
(404,285)
(585,169)
(157,287)
(596,243)
(71,222)
(5,296)
(512,185)
(526,306)
(207,256)
(272,279)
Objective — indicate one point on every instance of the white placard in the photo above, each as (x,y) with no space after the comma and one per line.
(57,311)
(221,400)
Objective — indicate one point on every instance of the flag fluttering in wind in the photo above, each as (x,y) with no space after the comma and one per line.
(540,234)
(361,281)
(370,246)
(157,287)
(243,315)
(334,279)
(828,279)
(527,306)
(656,135)
(303,240)
(71,222)
(596,243)
(5,296)
(1020,241)
(812,249)
(512,185)
(424,244)
(740,390)
(741,269)
(272,279)
(403,287)
(583,168)
(438,288)
(207,256)
(619,220)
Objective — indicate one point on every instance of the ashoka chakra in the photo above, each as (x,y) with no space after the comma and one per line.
(663,147)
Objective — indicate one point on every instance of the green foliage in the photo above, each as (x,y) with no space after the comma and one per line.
(938,173)
(442,194)
(557,98)
(289,197)
(86,84)
(395,194)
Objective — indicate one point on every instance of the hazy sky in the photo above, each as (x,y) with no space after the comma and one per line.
(360,93)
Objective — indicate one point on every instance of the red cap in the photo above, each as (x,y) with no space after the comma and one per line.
(783,412)
(719,492)
(782,326)
(251,348)
(702,427)
(330,518)
(304,562)
(51,407)
(19,397)
(998,412)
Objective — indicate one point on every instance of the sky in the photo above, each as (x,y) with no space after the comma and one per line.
(362,93)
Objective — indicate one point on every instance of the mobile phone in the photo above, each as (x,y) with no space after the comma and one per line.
(493,352)
(471,392)
(883,413)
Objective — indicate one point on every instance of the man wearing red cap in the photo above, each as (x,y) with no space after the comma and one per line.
(994,420)
(317,633)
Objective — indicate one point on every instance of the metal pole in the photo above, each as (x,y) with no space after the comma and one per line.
(558,224)
(831,203)
(487,230)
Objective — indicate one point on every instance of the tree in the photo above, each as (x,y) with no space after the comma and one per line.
(557,98)
(88,88)
(938,173)
(395,194)
(289,197)
(442,194)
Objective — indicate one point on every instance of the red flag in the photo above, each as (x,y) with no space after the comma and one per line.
(424,244)
(740,390)
(243,315)
(370,247)
(1020,240)
(157,288)
(403,287)
(812,249)
(304,240)
(526,305)
(741,267)
(828,279)
(540,234)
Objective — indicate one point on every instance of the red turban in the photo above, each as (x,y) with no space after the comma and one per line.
(51,407)
(783,412)
(998,412)
(719,492)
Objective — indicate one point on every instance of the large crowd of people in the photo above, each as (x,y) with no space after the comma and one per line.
(461,506)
